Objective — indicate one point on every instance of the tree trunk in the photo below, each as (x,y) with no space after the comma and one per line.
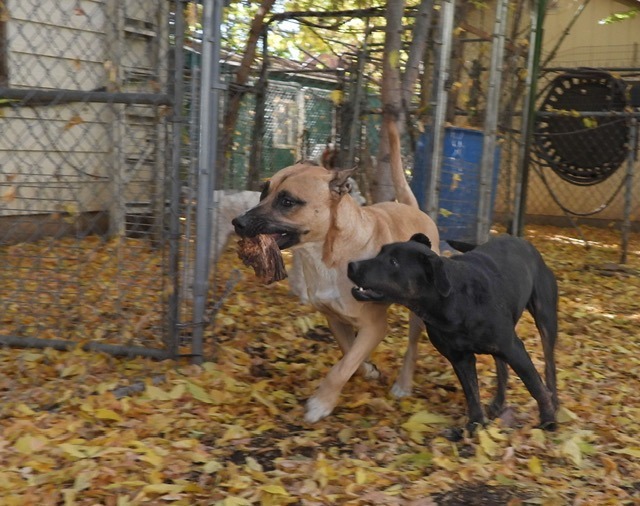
(391,95)
(237,91)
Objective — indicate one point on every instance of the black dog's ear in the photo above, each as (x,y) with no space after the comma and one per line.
(422,239)
(340,183)
(440,278)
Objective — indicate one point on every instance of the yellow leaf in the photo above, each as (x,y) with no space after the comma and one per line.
(107,414)
(571,450)
(73,121)
(154,393)
(213,466)
(535,466)
(25,410)
(30,444)
(73,370)
(184,443)
(84,478)
(609,465)
(234,432)
(361,476)
(445,463)
(426,417)
(445,212)
(496,434)
(73,450)
(254,465)
(274,489)
(538,436)
(152,458)
(199,393)
(177,391)
(162,488)
(345,435)
(487,444)
(336,96)
(10,194)
(632,452)
(564,415)
(273,410)
(454,182)
(235,501)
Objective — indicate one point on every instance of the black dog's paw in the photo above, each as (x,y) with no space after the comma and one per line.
(459,433)
(494,410)
(454,434)
(550,426)
(473,426)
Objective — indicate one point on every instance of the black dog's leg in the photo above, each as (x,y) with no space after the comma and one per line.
(502,378)
(464,365)
(517,357)
(543,306)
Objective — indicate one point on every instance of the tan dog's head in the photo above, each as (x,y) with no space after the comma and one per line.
(296,205)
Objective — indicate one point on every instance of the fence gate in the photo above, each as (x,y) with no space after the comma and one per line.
(90,167)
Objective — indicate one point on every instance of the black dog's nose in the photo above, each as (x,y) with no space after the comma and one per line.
(351,269)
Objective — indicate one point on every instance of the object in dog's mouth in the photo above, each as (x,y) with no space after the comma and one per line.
(263,255)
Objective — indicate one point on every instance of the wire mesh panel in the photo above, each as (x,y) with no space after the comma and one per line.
(582,147)
(298,125)
(85,172)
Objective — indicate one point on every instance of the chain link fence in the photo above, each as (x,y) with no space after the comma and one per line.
(89,215)
(100,210)
(298,125)
(584,147)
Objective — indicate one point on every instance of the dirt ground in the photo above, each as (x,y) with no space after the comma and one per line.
(231,432)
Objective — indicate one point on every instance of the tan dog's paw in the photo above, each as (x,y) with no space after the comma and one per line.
(317,410)
(370,371)
(399,391)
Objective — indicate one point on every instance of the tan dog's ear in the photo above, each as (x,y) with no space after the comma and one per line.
(340,183)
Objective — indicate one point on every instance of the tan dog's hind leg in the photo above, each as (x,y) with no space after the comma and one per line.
(326,396)
(404,382)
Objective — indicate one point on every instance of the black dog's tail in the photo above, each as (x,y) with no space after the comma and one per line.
(461,246)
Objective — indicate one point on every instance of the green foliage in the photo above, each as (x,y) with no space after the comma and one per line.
(616,17)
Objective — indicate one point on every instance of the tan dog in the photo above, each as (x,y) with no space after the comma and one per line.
(311,211)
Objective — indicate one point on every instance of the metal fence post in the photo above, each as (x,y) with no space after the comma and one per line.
(491,124)
(209,122)
(178,121)
(628,195)
(528,115)
(446,35)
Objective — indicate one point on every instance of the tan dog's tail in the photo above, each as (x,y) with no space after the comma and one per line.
(404,194)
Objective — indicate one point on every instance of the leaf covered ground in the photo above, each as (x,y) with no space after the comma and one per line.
(231,431)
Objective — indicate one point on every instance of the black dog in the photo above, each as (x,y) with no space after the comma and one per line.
(470,304)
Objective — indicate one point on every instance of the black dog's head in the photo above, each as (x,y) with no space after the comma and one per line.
(403,272)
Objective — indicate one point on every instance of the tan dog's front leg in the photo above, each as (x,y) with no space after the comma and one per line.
(404,382)
(344,334)
(326,396)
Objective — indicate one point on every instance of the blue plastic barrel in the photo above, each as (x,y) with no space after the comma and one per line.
(459,196)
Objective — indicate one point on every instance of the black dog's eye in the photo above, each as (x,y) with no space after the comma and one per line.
(394,262)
